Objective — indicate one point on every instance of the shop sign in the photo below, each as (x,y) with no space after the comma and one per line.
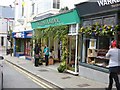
(107,2)
(29,35)
(19,35)
(49,21)
(57,20)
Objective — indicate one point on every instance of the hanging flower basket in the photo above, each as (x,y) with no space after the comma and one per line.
(98,30)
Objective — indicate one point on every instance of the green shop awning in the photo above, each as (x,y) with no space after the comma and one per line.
(67,18)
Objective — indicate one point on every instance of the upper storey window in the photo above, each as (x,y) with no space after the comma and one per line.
(56,4)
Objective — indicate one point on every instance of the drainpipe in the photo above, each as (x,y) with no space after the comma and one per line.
(76,51)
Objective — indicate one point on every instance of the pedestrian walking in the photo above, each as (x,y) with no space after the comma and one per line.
(114,65)
(46,53)
(37,54)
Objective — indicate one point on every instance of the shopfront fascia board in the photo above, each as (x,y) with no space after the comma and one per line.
(94,8)
(57,20)
(107,2)
(24,34)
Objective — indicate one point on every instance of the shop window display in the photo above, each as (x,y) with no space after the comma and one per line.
(96,56)
(94,50)
(103,32)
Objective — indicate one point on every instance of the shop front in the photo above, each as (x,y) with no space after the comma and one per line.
(70,19)
(22,43)
(98,29)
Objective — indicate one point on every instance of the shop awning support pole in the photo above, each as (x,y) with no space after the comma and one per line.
(76,53)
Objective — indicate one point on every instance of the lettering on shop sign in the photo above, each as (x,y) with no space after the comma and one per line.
(107,2)
(19,35)
(49,21)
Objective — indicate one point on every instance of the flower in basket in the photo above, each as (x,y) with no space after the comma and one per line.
(82,29)
(100,30)
(93,33)
(105,26)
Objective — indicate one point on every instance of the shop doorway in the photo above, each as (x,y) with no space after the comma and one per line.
(71,50)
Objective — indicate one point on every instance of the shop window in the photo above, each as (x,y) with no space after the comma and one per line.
(94,52)
(33,8)
(104,42)
(56,4)
(72,29)
(109,21)
(86,23)
(99,21)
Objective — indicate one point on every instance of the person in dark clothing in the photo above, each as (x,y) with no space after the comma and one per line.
(114,65)
(36,56)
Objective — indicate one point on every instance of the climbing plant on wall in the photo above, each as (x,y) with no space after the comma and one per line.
(57,32)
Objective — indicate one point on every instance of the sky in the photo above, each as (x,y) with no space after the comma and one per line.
(65,2)
(71,3)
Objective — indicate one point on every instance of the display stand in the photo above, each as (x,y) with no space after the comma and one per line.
(92,53)
(97,57)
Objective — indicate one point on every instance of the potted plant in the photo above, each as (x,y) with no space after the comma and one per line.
(62,67)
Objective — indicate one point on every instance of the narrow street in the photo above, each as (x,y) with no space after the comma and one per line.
(13,78)
(17,78)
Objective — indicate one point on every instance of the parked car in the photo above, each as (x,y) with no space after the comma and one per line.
(1,72)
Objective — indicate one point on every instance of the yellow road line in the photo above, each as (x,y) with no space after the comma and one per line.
(37,81)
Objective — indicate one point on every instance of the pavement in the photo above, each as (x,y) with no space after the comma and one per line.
(50,74)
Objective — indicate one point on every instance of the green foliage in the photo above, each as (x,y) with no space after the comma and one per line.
(64,9)
(62,67)
(70,68)
(63,64)
(57,32)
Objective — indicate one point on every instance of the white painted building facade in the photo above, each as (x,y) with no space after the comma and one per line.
(26,10)
(6,24)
